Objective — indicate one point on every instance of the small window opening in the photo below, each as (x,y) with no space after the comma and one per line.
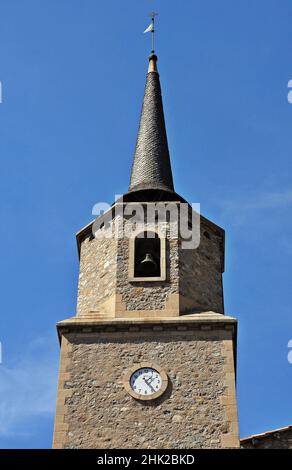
(147,255)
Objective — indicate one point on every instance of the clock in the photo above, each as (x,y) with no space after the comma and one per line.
(145,381)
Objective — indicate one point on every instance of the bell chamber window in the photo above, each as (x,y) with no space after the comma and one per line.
(147,257)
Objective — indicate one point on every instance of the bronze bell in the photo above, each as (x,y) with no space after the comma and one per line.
(148,265)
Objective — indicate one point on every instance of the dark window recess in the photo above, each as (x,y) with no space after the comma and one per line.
(207,235)
(147,255)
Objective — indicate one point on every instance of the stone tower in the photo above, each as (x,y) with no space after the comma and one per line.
(148,361)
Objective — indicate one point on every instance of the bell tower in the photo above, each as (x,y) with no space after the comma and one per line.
(148,361)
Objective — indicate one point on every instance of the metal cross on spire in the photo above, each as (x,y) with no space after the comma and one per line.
(151,29)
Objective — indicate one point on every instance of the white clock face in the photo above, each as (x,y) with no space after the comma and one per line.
(146,381)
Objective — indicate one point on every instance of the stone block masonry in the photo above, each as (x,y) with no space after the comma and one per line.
(198,410)
(193,276)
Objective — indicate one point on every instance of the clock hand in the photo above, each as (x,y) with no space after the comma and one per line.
(151,378)
(149,384)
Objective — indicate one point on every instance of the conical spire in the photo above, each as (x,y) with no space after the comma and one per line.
(151,166)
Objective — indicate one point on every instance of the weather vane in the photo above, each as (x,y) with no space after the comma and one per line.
(150,28)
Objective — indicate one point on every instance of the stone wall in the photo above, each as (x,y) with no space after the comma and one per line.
(97,273)
(200,273)
(147,295)
(192,275)
(278,439)
(198,410)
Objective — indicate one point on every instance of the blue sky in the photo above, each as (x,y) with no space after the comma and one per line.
(73,74)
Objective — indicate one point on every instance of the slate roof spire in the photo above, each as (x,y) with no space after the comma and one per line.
(151,166)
